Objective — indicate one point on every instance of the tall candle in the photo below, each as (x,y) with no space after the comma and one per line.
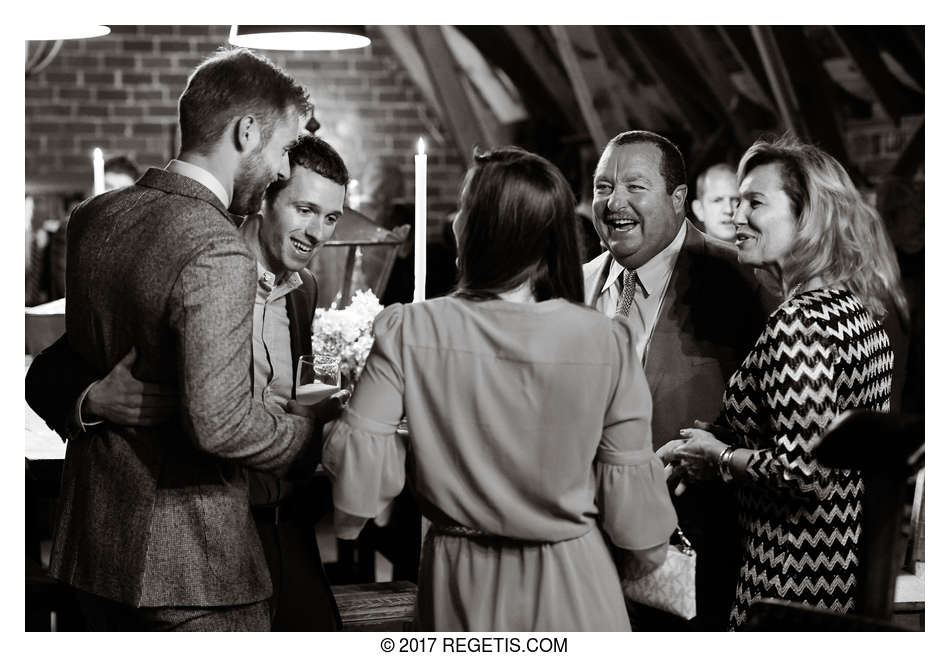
(98,172)
(419,290)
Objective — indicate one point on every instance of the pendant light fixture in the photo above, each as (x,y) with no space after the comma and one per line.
(65,31)
(43,42)
(299,37)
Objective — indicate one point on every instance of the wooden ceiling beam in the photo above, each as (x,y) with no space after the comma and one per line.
(717,79)
(586,69)
(867,59)
(670,104)
(903,45)
(778,78)
(625,84)
(546,69)
(745,54)
(812,87)
(402,44)
(667,79)
(462,119)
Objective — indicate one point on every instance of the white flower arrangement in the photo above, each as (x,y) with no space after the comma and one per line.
(347,332)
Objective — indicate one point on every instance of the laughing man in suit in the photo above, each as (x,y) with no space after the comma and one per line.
(696,313)
(154,528)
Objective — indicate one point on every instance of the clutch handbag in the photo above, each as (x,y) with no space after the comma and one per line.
(672,586)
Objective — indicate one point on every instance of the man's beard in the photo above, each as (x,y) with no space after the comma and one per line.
(249,186)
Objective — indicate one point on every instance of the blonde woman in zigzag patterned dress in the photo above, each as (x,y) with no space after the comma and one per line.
(823,351)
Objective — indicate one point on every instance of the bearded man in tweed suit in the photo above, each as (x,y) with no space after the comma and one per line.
(154,528)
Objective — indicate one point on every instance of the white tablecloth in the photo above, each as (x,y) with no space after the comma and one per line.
(42,443)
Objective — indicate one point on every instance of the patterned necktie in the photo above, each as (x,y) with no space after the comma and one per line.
(634,310)
(630,284)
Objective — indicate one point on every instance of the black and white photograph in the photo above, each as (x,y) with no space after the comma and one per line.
(521,329)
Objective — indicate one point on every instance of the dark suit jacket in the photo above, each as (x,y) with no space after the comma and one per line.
(160,516)
(713,311)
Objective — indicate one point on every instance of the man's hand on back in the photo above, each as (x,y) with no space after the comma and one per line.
(120,398)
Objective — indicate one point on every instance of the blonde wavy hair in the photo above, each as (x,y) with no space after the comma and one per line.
(841,237)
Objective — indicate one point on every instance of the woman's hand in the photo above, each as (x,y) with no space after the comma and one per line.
(694,457)
(699,454)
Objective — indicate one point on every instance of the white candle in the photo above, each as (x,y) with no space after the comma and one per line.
(419,291)
(98,172)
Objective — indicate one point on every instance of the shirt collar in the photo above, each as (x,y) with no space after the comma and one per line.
(268,280)
(656,270)
(202,176)
(277,288)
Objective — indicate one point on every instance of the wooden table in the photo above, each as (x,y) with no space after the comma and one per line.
(379,607)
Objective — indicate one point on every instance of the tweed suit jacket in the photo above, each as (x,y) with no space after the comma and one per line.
(160,516)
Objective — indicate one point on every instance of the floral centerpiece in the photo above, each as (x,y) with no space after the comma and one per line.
(347,333)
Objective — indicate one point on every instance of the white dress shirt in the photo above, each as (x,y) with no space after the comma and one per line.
(654,277)
(200,175)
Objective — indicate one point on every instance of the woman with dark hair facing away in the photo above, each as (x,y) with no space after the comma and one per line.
(529,424)
(823,351)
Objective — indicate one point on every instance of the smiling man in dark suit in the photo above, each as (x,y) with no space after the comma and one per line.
(154,528)
(696,313)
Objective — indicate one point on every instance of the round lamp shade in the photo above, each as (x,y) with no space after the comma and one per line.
(299,37)
(65,31)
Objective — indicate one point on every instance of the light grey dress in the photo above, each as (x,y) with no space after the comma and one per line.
(526,421)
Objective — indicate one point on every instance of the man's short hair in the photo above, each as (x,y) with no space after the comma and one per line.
(235,82)
(122,164)
(672,166)
(315,154)
(703,178)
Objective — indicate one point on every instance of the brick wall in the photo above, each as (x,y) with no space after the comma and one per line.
(120,92)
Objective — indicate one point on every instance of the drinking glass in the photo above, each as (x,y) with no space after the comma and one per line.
(318,377)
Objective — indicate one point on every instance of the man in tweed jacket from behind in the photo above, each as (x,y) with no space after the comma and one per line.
(154,527)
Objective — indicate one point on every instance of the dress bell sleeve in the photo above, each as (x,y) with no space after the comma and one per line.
(636,510)
(364,456)
(800,381)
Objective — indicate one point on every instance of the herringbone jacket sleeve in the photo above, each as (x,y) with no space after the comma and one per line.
(211,315)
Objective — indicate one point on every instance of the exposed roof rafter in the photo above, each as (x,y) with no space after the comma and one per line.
(586,68)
